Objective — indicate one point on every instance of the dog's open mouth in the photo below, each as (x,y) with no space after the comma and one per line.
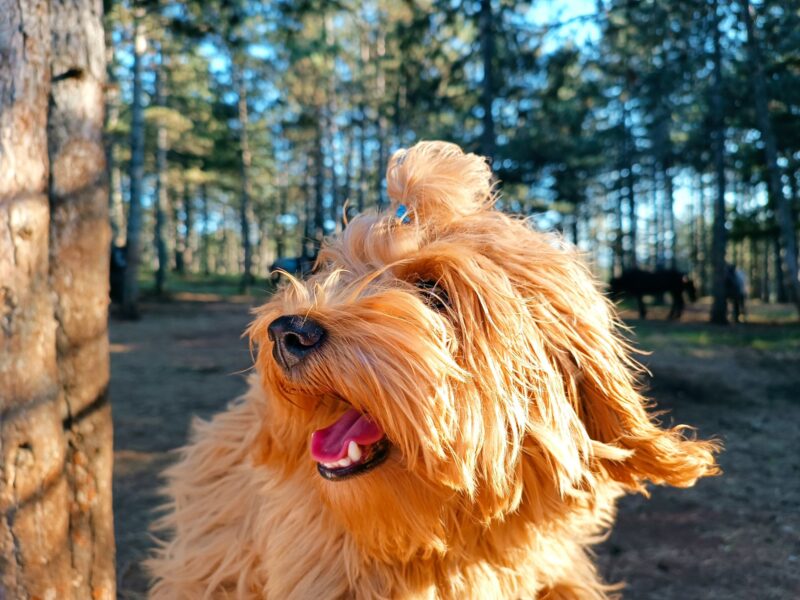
(352,445)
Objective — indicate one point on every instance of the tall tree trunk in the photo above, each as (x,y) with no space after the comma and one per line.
(307,250)
(189,232)
(719,306)
(130,290)
(245,162)
(380,120)
(486,20)
(669,207)
(362,161)
(179,239)
(116,208)
(319,188)
(781,292)
(347,190)
(627,161)
(161,200)
(783,211)
(280,238)
(658,259)
(765,291)
(56,528)
(206,217)
(363,59)
(619,255)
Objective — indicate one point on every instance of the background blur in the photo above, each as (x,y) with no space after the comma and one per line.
(633,127)
(238,134)
(621,123)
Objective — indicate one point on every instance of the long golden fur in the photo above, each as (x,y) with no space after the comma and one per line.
(509,400)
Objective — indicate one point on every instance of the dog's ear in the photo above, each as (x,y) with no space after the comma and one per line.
(599,375)
(617,417)
(437,181)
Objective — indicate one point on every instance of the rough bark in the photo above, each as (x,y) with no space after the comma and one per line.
(783,211)
(130,291)
(719,307)
(56,531)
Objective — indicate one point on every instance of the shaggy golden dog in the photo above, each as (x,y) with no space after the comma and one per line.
(443,410)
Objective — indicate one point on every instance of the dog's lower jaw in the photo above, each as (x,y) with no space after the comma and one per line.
(275,537)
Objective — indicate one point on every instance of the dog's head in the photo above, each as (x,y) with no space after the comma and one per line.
(444,360)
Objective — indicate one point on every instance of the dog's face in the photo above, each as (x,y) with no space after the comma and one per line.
(447,364)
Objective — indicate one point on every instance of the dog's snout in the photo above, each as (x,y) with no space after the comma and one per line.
(294,338)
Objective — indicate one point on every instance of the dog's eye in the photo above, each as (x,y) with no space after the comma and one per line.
(434,294)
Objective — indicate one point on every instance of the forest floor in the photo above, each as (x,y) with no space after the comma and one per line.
(734,537)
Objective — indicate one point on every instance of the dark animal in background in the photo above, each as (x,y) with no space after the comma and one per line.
(299,266)
(736,291)
(119,262)
(637,283)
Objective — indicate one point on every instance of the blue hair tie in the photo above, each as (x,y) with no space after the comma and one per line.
(402,214)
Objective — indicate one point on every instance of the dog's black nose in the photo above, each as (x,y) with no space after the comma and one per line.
(294,338)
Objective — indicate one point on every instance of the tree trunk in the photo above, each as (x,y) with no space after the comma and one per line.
(56,528)
(347,190)
(161,200)
(781,292)
(627,161)
(116,209)
(486,20)
(380,121)
(362,161)
(246,193)
(319,188)
(179,239)
(205,263)
(669,207)
(280,238)
(658,258)
(130,290)
(618,264)
(719,306)
(189,232)
(307,239)
(783,211)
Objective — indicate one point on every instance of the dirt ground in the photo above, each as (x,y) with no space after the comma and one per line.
(733,537)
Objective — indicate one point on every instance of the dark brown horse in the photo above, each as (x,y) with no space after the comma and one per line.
(637,283)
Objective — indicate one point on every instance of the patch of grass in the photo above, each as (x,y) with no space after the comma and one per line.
(652,335)
(225,286)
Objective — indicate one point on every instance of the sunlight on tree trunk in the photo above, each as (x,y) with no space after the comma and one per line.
(56,528)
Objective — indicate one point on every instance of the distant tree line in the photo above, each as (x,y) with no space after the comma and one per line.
(652,134)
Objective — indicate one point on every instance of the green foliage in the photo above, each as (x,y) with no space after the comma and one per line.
(602,121)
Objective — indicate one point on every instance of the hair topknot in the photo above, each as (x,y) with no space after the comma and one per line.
(437,180)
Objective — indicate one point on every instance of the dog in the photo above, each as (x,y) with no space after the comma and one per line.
(444,409)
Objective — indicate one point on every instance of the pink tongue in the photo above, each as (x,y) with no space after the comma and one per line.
(330,444)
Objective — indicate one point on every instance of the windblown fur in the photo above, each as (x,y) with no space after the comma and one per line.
(507,395)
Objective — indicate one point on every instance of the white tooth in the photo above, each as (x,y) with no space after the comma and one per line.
(353,451)
(345,462)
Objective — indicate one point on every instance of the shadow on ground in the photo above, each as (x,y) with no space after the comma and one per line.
(732,537)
